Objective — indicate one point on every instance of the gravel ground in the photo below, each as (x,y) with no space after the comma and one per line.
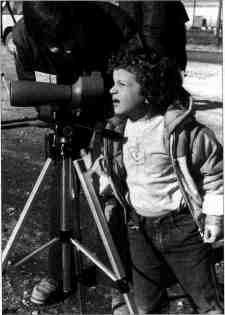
(22,158)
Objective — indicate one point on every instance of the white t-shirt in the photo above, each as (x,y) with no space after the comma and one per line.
(152,183)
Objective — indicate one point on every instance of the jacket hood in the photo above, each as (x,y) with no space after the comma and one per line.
(177,115)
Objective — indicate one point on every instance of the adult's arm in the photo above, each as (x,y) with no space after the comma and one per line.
(24,53)
(161,27)
(121,21)
(150,19)
(161,23)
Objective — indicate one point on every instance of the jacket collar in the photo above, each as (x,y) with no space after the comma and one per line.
(176,116)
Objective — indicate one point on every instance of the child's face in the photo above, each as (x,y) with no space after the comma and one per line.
(126,95)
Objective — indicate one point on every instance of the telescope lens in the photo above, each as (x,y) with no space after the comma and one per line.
(92,88)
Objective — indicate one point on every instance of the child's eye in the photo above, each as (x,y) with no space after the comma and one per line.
(122,83)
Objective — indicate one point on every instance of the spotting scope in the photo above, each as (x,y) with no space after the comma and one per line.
(85,91)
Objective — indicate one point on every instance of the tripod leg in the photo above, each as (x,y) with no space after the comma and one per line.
(81,290)
(18,228)
(69,198)
(65,222)
(37,251)
(94,259)
(103,229)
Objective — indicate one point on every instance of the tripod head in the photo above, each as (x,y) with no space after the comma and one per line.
(35,122)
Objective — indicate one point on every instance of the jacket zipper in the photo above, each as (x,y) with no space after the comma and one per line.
(111,170)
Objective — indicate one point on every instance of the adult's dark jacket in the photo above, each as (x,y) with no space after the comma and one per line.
(100,30)
(161,26)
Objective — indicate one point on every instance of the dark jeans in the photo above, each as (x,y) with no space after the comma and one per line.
(173,241)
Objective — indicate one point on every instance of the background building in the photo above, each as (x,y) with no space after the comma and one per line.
(207,11)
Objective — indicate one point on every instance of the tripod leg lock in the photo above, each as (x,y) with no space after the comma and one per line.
(122,285)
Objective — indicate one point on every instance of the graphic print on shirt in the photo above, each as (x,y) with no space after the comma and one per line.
(144,151)
(144,160)
(136,154)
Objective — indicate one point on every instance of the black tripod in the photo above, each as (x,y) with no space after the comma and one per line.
(73,173)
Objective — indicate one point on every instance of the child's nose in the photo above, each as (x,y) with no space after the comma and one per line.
(113,89)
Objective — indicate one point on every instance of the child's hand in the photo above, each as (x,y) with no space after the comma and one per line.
(108,212)
(97,166)
(87,158)
(213,228)
(212,233)
(109,208)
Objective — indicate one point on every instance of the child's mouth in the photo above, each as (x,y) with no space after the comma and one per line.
(116,102)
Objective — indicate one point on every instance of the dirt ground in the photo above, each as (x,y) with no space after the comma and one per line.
(22,156)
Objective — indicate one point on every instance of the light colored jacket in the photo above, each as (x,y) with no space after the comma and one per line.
(195,154)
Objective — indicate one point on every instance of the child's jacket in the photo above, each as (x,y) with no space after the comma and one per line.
(196,157)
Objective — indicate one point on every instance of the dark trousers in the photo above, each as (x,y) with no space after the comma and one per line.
(174,241)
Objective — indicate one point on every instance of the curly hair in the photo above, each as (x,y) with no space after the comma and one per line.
(160,80)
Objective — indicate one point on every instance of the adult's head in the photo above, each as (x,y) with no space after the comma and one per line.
(67,25)
(143,86)
(53,23)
